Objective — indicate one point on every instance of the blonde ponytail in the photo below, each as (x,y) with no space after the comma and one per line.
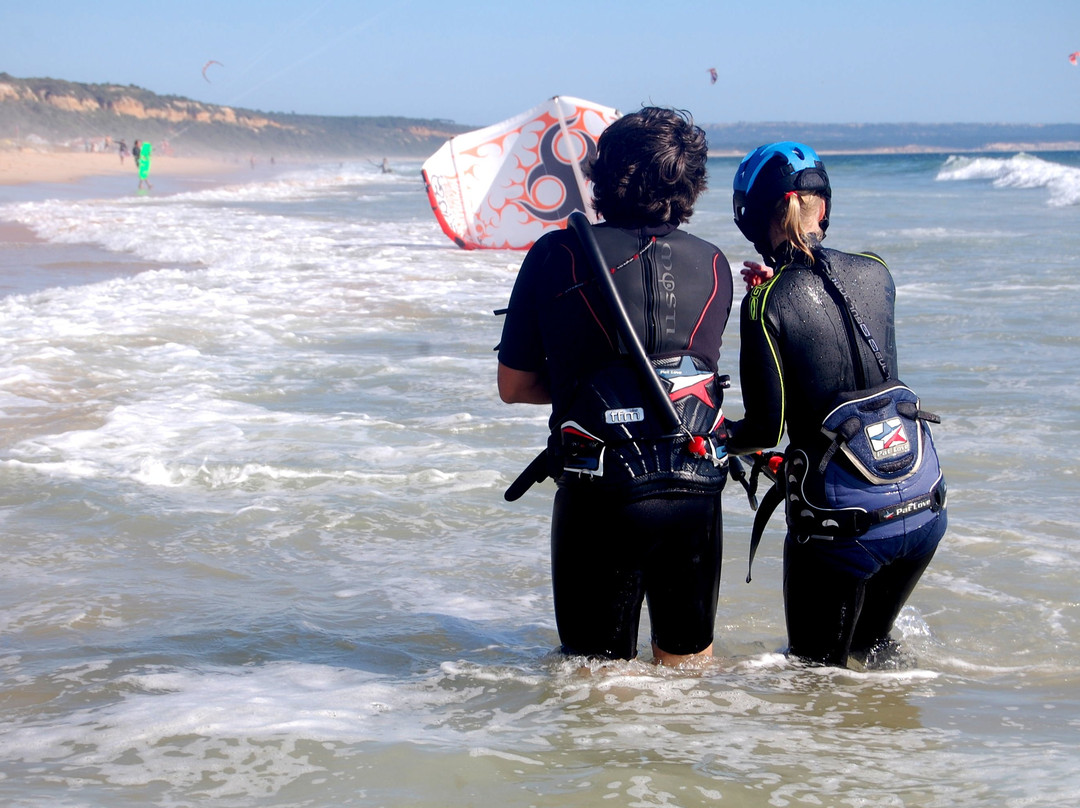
(797,220)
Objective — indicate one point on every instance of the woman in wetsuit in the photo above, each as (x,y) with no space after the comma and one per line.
(637,513)
(802,348)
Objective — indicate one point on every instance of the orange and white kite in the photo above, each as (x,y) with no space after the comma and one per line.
(502,187)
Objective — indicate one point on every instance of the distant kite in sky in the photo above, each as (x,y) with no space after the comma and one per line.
(712,75)
(1074,56)
(205,66)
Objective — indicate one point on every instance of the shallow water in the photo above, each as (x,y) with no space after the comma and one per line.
(256,552)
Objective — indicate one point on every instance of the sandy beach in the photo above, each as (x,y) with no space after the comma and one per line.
(27,166)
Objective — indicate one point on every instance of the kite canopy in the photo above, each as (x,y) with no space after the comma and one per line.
(504,186)
(1074,56)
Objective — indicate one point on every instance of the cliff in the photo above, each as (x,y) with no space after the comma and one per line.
(51,113)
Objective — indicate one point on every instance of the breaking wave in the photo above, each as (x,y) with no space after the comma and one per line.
(1019,171)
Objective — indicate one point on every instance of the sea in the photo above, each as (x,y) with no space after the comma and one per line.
(254,549)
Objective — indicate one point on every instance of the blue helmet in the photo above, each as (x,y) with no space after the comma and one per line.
(764,176)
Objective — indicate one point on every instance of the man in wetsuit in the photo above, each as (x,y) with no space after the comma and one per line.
(637,513)
(801,349)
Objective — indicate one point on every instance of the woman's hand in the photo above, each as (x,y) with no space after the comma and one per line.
(755,274)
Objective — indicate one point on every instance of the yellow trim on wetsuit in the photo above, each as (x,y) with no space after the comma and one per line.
(877,258)
(757,312)
(758,302)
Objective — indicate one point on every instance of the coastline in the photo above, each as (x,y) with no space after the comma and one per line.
(30,264)
(30,167)
(25,167)
(21,167)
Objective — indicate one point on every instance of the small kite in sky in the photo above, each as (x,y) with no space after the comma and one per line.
(712,75)
(205,66)
(1074,56)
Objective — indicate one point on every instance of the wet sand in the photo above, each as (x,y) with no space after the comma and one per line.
(27,166)
(29,264)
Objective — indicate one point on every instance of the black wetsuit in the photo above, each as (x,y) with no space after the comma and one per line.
(799,350)
(650,526)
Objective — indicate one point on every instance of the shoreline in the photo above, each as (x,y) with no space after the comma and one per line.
(25,167)
(30,264)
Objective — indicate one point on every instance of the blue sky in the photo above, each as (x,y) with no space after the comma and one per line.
(479,62)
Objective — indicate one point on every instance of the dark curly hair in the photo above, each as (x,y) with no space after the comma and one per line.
(650,168)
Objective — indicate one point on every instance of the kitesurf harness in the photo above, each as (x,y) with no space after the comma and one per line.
(881,432)
(624,413)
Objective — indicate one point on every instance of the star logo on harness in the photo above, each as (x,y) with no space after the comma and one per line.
(887,435)
(691,382)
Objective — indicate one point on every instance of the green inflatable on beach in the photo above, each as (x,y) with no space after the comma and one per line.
(144,161)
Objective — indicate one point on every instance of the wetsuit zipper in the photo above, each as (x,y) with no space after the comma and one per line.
(652,324)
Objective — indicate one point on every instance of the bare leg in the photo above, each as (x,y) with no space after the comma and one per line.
(667,660)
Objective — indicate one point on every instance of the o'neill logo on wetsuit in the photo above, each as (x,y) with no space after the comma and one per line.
(887,438)
(626,416)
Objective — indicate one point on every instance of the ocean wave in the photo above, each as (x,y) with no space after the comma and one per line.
(313,182)
(1020,171)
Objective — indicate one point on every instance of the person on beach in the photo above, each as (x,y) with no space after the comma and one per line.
(123,150)
(864,494)
(637,508)
(136,152)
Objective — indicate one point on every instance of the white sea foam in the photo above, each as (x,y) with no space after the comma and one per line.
(1019,171)
(230,732)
